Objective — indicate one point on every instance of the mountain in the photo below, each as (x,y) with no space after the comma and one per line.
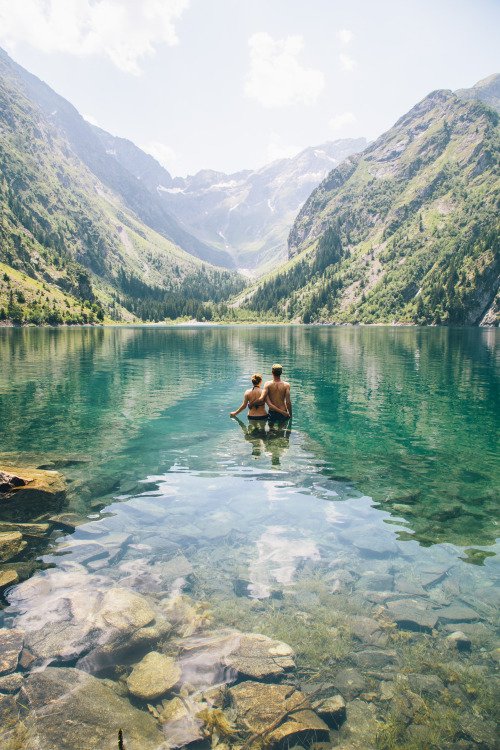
(247,214)
(75,245)
(487,91)
(87,146)
(406,231)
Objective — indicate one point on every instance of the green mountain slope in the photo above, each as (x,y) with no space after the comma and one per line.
(71,247)
(406,231)
(86,144)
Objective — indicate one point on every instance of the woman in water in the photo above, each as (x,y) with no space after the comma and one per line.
(253,394)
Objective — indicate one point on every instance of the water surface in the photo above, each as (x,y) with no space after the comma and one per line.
(382,493)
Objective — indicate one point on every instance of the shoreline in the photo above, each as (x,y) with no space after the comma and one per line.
(233,323)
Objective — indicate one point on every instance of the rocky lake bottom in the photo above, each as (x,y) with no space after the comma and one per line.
(188,590)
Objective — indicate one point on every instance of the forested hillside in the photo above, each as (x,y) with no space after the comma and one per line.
(71,248)
(407,231)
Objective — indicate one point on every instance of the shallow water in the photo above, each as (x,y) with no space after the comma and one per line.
(379,498)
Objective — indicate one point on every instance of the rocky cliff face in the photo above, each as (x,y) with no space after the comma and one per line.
(405,231)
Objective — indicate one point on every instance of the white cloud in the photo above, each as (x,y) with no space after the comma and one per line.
(125,31)
(340,121)
(344,36)
(276,77)
(278,149)
(161,152)
(346,62)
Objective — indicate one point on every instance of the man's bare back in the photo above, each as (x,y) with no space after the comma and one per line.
(278,391)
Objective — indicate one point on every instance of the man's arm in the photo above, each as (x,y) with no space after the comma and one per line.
(288,400)
(263,396)
(240,408)
(276,408)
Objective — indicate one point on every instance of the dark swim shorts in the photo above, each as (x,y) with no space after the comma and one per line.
(277,416)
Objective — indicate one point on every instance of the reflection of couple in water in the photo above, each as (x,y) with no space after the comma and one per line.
(276,394)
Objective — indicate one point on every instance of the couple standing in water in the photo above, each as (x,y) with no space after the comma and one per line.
(276,394)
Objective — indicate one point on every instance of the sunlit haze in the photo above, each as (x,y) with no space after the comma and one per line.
(233,84)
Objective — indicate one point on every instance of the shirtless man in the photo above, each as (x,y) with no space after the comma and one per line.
(278,392)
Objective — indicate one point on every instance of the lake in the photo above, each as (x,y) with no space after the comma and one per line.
(362,534)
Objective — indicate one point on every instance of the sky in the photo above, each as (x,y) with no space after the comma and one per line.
(234,84)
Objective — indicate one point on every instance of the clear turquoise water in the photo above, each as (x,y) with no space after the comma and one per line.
(394,439)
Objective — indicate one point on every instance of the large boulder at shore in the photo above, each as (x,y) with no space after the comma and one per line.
(70,709)
(29,492)
(153,676)
(259,706)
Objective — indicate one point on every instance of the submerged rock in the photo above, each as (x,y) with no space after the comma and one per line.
(71,709)
(8,578)
(332,710)
(68,614)
(412,614)
(11,543)
(125,610)
(374,542)
(11,644)
(368,630)
(373,581)
(180,721)
(9,716)
(457,613)
(260,657)
(224,656)
(426,684)
(258,706)
(67,521)
(153,676)
(11,683)
(359,730)
(349,682)
(375,658)
(39,492)
(27,529)
(459,641)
